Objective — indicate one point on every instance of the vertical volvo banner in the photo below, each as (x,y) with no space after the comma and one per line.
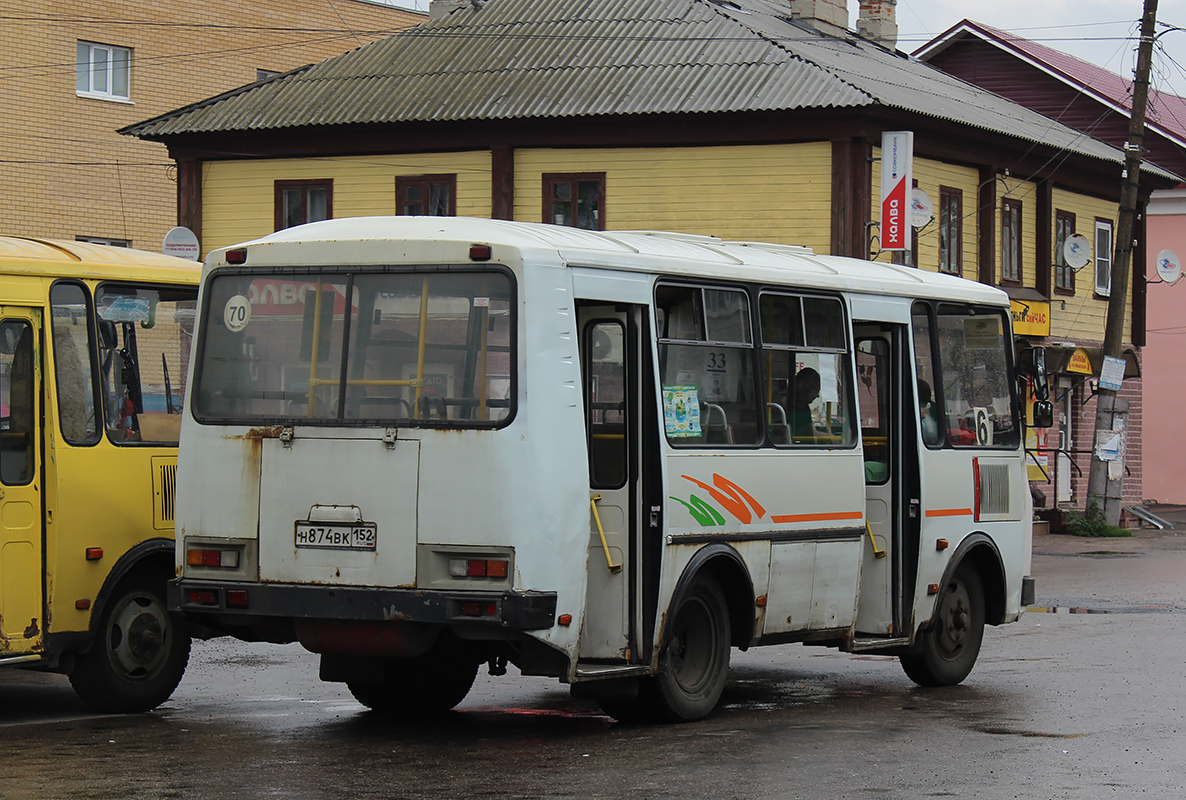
(897,179)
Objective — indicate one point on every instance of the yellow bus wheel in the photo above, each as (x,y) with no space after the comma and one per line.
(139,654)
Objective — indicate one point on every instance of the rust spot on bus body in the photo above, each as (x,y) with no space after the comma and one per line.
(32,631)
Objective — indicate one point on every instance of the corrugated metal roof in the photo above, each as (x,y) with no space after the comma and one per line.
(521,59)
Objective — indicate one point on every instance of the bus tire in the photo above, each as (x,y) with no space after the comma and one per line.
(139,654)
(695,660)
(429,684)
(946,651)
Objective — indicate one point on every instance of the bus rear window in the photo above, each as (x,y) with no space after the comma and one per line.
(405,349)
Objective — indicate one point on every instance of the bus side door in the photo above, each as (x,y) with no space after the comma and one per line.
(21,569)
(888,426)
(609,358)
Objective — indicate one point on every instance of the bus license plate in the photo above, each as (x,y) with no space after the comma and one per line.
(329,536)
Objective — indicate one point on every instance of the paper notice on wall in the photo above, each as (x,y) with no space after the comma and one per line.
(1109,444)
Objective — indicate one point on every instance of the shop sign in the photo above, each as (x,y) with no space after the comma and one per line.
(1031,318)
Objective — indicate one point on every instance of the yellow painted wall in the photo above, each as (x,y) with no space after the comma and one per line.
(238,197)
(1085,315)
(776,193)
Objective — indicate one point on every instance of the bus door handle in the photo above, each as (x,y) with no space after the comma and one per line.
(914,504)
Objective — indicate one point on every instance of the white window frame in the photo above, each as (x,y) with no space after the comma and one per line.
(1103,259)
(104,65)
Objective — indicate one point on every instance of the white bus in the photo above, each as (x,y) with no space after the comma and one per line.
(417,445)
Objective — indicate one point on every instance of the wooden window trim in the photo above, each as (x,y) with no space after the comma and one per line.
(281,186)
(551,178)
(402,181)
(1059,261)
(1111,256)
(946,192)
(1010,206)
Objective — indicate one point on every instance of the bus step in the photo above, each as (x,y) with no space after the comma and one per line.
(19,659)
(859,645)
(592,672)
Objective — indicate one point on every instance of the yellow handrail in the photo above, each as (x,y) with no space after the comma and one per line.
(876,553)
(609,562)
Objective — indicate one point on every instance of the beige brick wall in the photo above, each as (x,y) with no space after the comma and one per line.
(64,172)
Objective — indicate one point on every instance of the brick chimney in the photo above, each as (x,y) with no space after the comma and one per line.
(878,22)
(826,16)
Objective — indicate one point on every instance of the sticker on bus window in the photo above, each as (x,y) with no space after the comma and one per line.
(481,302)
(681,411)
(127,309)
(237,313)
(982,333)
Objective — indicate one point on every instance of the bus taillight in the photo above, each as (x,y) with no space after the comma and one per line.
(477,568)
(212,558)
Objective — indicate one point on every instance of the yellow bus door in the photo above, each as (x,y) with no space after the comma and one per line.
(21,623)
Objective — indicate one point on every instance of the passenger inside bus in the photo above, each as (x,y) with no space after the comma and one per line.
(805,391)
(927,415)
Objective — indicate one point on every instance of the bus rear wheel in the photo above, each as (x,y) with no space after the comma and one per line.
(429,684)
(695,661)
(946,651)
(139,654)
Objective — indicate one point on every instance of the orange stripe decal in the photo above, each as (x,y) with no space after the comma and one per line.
(949,512)
(817,517)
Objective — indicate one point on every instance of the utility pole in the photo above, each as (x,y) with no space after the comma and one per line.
(1104,485)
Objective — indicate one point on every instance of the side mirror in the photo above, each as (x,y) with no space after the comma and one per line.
(1043,414)
(1032,362)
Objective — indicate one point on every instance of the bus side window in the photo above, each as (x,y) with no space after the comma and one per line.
(605,403)
(16,396)
(73,372)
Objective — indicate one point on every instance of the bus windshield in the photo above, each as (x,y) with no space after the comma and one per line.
(430,348)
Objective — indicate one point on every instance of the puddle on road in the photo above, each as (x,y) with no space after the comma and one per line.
(1081,610)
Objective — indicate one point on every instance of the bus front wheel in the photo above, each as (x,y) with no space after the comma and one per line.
(139,654)
(695,662)
(946,651)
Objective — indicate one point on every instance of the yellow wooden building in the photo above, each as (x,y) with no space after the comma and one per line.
(747,119)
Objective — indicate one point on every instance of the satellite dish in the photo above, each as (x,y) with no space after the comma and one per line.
(1169,268)
(1076,251)
(603,345)
(921,210)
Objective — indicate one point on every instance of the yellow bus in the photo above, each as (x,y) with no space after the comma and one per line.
(94,350)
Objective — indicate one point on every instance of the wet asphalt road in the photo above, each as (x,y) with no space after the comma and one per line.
(1060,705)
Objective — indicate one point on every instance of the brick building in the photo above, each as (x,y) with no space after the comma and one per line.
(65,173)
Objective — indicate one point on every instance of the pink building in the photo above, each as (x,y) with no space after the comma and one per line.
(1164,376)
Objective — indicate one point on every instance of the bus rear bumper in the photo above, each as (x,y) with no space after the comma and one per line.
(508,610)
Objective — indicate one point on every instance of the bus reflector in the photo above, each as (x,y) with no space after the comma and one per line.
(565,619)
(238,256)
(237,598)
(933,588)
(94,553)
(201,597)
(83,604)
(479,252)
(496,569)
(477,568)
